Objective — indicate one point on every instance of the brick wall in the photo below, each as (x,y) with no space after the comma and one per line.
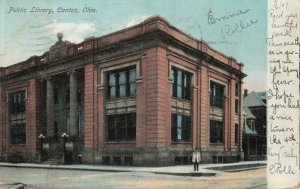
(141,105)
(88,105)
(204,108)
(32,116)
(156,97)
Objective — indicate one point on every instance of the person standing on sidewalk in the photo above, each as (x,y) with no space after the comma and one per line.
(196,159)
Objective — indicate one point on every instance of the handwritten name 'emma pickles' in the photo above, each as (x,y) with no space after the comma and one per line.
(50,11)
(229,30)
(212,19)
(232,28)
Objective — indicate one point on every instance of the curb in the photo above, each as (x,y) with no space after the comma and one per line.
(245,169)
(194,174)
(66,168)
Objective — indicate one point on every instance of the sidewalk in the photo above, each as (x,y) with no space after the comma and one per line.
(180,170)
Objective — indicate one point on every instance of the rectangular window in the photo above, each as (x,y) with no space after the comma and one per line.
(181,84)
(121,83)
(236,106)
(18,133)
(132,82)
(121,127)
(236,140)
(17,102)
(17,124)
(216,131)
(237,89)
(217,94)
(181,128)
(112,85)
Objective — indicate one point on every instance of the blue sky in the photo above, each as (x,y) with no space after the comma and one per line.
(27,34)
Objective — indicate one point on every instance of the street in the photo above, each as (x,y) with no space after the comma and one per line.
(51,178)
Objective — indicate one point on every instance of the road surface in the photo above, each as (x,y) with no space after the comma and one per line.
(60,179)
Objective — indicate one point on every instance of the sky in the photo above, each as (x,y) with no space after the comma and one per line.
(237,28)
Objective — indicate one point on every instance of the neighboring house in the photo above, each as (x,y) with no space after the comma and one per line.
(254,133)
(144,95)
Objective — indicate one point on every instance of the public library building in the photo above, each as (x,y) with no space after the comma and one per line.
(146,95)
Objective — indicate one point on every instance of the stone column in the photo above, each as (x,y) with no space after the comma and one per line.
(73,105)
(50,108)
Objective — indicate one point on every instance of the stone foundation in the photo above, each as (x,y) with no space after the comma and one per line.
(20,157)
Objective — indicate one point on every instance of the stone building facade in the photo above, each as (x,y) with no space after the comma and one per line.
(144,95)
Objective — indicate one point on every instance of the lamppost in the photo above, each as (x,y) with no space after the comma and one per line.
(41,137)
(64,136)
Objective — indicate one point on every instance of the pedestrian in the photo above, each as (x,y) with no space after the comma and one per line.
(196,159)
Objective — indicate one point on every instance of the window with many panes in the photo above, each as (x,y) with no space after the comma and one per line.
(181,128)
(121,127)
(237,98)
(236,106)
(181,83)
(121,83)
(17,102)
(217,94)
(237,130)
(237,89)
(17,124)
(216,131)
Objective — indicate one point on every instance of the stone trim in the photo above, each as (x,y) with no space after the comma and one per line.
(136,63)
(219,82)
(171,64)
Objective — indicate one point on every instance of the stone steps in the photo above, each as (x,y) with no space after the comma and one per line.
(53,159)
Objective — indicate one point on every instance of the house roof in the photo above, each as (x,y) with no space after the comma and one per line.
(248,131)
(248,113)
(255,99)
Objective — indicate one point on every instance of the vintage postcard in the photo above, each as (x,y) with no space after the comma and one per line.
(149,94)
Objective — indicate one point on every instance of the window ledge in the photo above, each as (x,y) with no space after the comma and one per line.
(216,143)
(216,107)
(22,145)
(120,142)
(121,98)
(139,79)
(174,142)
(100,86)
(181,99)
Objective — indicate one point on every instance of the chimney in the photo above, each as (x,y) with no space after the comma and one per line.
(245,92)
